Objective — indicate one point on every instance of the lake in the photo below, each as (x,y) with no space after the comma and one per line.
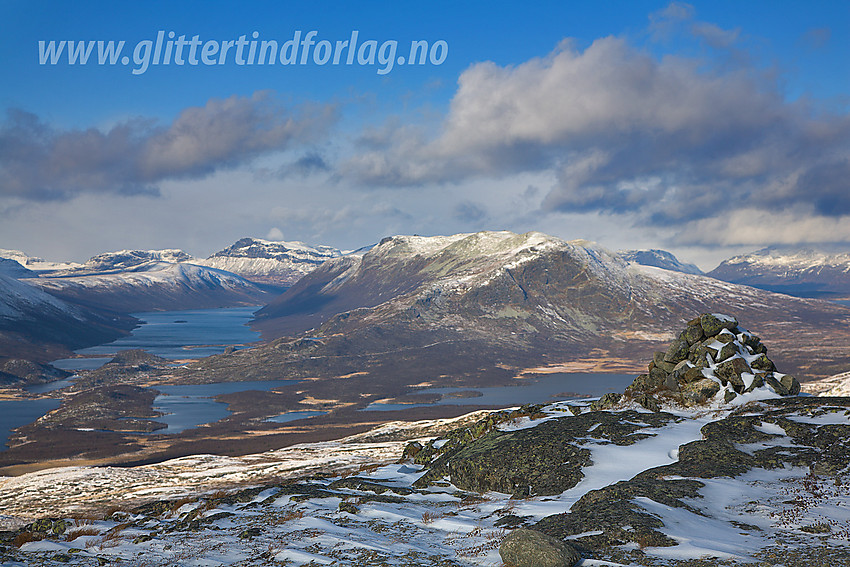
(544,389)
(15,413)
(188,406)
(170,334)
(175,335)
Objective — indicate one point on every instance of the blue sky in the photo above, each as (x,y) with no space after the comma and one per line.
(630,123)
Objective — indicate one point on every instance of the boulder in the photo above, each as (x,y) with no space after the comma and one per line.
(713,323)
(678,351)
(728,351)
(659,362)
(692,374)
(725,336)
(790,384)
(731,371)
(693,333)
(648,402)
(758,382)
(607,401)
(530,548)
(700,391)
(776,385)
(763,363)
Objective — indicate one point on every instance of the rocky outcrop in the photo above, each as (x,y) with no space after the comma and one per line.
(541,461)
(711,358)
(530,548)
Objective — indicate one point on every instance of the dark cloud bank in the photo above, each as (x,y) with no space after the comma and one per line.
(39,162)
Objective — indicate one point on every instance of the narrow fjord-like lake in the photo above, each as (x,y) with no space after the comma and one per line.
(175,335)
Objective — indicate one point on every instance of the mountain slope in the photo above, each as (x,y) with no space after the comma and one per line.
(480,308)
(36,325)
(151,285)
(659,259)
(14,269)
(276,263)
(795,271)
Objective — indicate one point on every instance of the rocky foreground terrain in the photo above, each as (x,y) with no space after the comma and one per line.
(672,472)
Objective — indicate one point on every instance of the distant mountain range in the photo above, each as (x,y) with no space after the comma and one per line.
(522,294)
(795,271)
(251,272)
(483,307)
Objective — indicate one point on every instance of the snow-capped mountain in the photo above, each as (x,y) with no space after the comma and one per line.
(14,269)
(35,263)
(486,306)
(34,323)
(129,282)
(124,260)
(276,263)
(659,259)
(795,271)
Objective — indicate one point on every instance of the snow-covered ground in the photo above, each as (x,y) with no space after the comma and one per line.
(837,385)
(365,511)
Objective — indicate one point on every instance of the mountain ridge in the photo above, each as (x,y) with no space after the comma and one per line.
(805,272)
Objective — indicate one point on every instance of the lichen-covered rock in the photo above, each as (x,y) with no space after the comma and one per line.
(732,371)
(725,336)
(678,351)
(648,402)
(542,460)
(693,332)
(776,385)
(699,391)
(763,363)
(607,401)
(612,516)
(530,548)
(726,352)
(713,323)
(791,384)
(711,354)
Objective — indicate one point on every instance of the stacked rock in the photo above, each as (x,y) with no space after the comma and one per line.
(711,355)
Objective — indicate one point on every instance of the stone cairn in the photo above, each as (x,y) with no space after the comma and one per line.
(711,357)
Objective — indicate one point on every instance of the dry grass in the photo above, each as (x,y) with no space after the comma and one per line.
(81,531)
(470,500)
(111,538)
(428,517)
(26,537)
(180,502)
(115,509)
(806,496)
